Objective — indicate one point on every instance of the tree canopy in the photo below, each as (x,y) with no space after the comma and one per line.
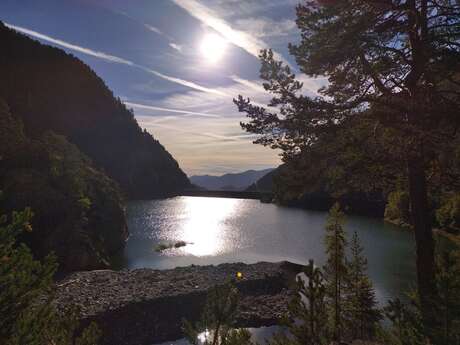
(393,80)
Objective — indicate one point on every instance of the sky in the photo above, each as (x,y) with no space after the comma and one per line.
(177,63)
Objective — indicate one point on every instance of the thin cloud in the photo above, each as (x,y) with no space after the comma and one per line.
(98,54)
(201,134)
(176,47)
(239,38)
(151,107)
(154,29)
(248,83)
(147,26)
(266,27)
(113,59)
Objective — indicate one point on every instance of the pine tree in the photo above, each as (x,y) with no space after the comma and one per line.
(406,323)
(362,312)
(27,315)
(307,322)
(216,326)
(309,309)
(392,68)
(448,283)
(406,318)
(335,269)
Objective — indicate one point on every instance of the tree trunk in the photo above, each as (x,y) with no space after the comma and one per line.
(421,221)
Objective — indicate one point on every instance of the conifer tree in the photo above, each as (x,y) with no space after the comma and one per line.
(406,318)
(27,315)
(307,323)
(448,283)
(308,309)
(391,64)
(406,323)
(216,326)
(335,269)
(362,312)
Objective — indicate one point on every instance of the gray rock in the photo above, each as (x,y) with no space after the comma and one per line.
(145,306)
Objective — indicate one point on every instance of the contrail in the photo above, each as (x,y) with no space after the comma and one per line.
(240,38)
(113,59)
(151,107)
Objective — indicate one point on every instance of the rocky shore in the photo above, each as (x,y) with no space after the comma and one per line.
(145,306)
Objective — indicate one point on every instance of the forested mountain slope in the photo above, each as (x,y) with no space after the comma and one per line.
(78,210)
(49,89)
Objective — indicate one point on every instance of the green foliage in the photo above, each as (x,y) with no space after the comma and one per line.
(22,280)
(337,303)
(336,269)
(216,326)
(448,284)
(407,326)
(27,315)
(397,210)
(392,83)
(308,311)
(448,215)
(362,314)
(78,209)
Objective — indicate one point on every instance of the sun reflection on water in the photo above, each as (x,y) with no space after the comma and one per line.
(204,225)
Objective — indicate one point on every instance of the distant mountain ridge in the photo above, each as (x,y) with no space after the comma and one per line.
(231,181)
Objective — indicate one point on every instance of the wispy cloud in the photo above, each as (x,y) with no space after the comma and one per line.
(266,27)
(112,59)
(95,53)
(176,47)
(251,84)
(177,111)
(252,89)
(212,146)
(248,8)
(153,29)
(221,138)
(145,25)
(240,38)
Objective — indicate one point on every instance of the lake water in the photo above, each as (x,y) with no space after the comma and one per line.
(221,230)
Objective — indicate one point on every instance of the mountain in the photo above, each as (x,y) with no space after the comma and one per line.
(234,181)
(265,183)
(49,89)
(72,152)
(77,210)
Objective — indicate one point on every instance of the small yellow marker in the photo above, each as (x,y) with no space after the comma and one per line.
(239,275)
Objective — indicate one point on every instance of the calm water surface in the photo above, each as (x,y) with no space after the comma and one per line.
(238,230)
(221,230)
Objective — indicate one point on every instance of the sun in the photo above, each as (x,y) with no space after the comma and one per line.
(213,47)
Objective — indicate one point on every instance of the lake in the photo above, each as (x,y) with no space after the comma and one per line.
(220,230)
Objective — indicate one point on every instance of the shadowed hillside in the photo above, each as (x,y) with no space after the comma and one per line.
(78,210)
(49,89)
(69,150)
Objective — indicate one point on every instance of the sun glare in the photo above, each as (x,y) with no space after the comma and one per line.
(205,225)
(213,47)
